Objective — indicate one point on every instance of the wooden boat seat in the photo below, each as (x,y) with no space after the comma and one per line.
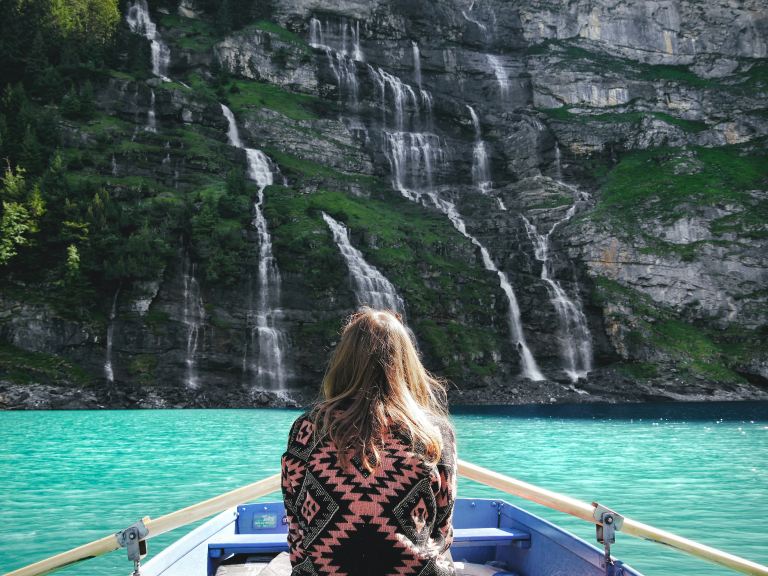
(261,543)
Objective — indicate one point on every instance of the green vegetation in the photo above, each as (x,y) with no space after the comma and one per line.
(662,179)
(194,34)
(243,94)
(408,245)
(24,367)
(566,114)
(282,34)
(693,349)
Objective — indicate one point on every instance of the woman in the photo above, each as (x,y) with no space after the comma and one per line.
(368,477)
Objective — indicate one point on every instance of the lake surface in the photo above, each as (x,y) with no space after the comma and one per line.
(700,470)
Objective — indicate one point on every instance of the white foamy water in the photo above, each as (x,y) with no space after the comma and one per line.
(371,287)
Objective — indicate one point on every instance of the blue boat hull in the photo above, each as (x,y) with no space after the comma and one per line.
(486,531)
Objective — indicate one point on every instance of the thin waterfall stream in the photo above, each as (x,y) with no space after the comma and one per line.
(194,320)
(140,22)
(267,365)
(481,170)
(575,339)
(109,372)
(371,286)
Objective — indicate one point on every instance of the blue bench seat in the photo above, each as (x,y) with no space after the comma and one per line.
(268,543)
(464,537)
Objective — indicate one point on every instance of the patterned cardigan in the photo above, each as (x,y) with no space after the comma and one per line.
(346,522)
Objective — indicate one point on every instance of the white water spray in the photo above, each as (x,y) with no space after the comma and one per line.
(416,64)
(502,77)
(193,319)
(370,285)
(140,22)
(575,339)
(151,115)
(109,372)
(481,170)
(530,368)
(268,366)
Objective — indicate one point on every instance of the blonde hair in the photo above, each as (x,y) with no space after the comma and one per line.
(375,383)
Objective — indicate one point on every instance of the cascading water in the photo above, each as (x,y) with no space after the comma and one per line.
(341,57)
(268,366)
(467,14)
(575,339)
(140,22)
(412,150)
(371,287)
(481,171)
(194,319)
(151,116)
(340,35)
(501,76)
(109,372)
(527,361)
(416,64)
(114,166)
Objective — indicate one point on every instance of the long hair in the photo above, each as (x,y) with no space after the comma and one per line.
(375,383)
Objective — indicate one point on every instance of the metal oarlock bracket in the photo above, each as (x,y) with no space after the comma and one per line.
(132,538)
(608,523)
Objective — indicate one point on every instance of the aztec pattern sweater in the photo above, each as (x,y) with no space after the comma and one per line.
(395,521)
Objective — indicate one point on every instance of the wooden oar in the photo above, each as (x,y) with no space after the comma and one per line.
(585,512)
(156,527)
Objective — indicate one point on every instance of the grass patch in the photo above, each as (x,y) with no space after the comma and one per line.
(406,243)
(282,33)
(193,34)
(693,349)
(22,367)
(657,181)
(244,94)
(293,165)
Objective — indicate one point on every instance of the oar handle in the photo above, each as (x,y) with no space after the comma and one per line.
(156,527)
(585,512)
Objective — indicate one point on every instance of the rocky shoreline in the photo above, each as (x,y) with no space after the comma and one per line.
(606,386)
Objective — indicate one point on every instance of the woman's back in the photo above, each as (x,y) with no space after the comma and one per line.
(368,476)
(344,519)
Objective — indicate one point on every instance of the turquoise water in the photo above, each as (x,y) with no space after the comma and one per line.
(699,470)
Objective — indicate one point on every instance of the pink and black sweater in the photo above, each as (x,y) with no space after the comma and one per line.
(346,522)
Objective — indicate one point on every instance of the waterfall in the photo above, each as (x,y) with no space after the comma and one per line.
(575,339)
(341,36)
(413,152)
(342,61)
(481,171)
(193,319)
(412,157)
(501,76)
(233,136)
(558,163)
(114,165)
(467,14)
(268,367)
(109,372)
(151,116)
(371,287)
(416,64)
(140,22)
(530,368)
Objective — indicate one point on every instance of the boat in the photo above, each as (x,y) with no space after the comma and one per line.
(491,537)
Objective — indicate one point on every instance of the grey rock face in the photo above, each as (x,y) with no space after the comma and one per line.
(557,87)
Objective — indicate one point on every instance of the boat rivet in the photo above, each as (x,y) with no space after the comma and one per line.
(472,504)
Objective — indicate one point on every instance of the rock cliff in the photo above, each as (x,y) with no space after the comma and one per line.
(599,166)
